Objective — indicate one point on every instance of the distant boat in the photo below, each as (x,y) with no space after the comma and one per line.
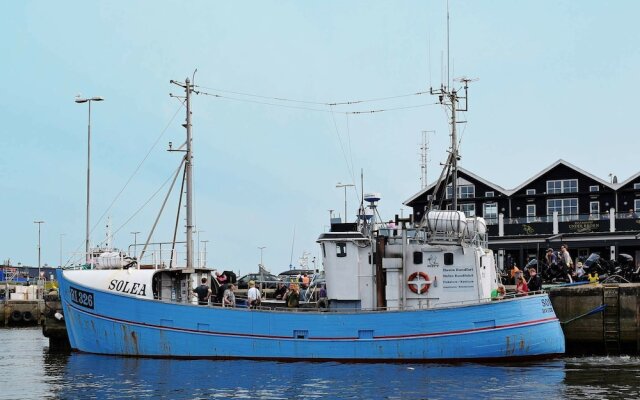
(414,292)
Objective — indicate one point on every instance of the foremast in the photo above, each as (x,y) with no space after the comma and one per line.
(188,159)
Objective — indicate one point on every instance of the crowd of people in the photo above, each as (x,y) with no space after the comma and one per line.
(293,293)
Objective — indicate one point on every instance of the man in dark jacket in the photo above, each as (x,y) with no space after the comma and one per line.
(535,282)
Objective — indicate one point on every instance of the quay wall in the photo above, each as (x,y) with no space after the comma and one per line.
(599,319)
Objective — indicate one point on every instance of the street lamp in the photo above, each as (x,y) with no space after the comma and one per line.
(205,252)
(39,224)
(61,236)
(345,186)
(88,100)
(261,248)
(135,244)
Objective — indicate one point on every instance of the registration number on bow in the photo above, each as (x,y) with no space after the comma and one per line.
(81,298)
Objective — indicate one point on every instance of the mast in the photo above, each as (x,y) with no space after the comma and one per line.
(450,98)
(189,177)
(188,160)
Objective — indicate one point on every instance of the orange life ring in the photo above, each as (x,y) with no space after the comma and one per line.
(414,286)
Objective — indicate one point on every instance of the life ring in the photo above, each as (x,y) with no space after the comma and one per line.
(413,284)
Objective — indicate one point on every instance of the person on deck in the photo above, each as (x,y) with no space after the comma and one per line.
(498,293)
(253,295)
(293,297)
(203,292)
(229,298)
(280,291)
(521,286)
(535,282)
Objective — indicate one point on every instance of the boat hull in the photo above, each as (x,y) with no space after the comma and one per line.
(103,322)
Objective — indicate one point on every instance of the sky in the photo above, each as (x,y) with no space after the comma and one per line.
(555,79)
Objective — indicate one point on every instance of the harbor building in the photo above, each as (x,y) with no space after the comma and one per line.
(562,204)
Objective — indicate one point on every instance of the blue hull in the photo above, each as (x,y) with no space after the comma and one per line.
(123,325)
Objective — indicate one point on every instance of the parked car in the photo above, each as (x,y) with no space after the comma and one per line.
(291,274)
(269,281)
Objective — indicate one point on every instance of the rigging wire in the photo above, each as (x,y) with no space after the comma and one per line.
(325,103)
(316,109)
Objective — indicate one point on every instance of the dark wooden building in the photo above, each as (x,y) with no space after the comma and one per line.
(562,204)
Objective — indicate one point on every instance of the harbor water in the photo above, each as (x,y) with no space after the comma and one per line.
(31,371)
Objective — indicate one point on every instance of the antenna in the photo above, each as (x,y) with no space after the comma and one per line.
(424,153)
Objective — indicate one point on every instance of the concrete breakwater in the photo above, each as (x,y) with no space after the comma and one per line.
(599,319)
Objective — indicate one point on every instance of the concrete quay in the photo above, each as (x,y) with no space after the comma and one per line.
(599,318)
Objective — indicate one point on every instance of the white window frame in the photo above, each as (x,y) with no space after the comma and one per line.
(565,205)
(531,212)
(636,205)
(469,209)
(594,188)
(562,186)
(462,189)
(488,216)
(636,185)
(594,210)
(531,192)
(489,194)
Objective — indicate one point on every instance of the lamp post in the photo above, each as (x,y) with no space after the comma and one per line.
(345,186)
(261,248)
(61,236)
(135,244)
(39,224)
(88,100)
(205,252)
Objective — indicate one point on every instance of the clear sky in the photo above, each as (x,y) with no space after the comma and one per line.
(556,79)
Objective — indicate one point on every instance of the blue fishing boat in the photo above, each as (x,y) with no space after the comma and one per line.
(413,291)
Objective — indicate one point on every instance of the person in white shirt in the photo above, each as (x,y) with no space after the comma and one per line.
(253,295)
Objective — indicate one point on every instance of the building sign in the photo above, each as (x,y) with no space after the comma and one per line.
(584,226)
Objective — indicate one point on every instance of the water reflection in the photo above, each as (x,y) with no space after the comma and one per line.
(115,377)
(31,371)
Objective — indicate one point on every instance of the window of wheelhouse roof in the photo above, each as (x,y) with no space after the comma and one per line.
(341,249)
(594,188)
(562,186)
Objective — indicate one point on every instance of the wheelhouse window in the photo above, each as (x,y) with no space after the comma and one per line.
(594,188)
(562,186)
(531,192)
(341,249)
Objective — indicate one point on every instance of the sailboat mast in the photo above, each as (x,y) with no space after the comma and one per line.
(189,177)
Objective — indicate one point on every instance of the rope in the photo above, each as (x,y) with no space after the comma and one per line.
(596,310)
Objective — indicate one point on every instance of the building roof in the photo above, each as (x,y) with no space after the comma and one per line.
(568,164)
